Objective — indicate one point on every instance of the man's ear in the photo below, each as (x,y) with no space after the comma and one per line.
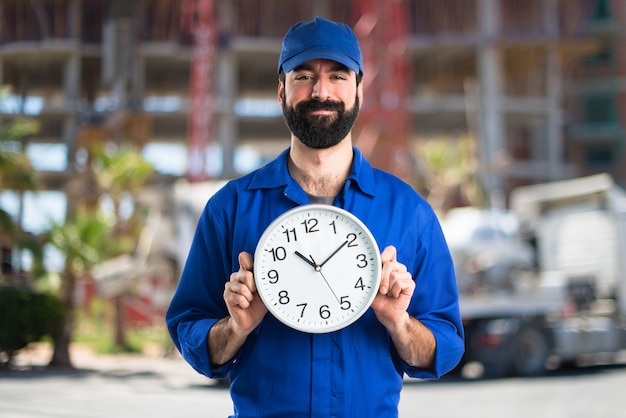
(359,93)
(281,92)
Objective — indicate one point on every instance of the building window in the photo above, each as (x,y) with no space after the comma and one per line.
(602,56)
(599,109)
(47,156)
(599,156)
(602,11)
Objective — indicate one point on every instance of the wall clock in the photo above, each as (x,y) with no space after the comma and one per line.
(317,268)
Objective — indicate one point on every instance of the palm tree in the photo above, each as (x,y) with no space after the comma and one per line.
(17,174)
(121,175)
(82,240)
(89,236)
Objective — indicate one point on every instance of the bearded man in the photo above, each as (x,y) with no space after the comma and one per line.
(217,319)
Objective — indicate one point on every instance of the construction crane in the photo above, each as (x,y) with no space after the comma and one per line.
(197,17)
(383,127)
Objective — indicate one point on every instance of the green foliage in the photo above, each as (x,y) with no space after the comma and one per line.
(95,330)
(19,129)
(120,171)
(83,239)
(7,225)
(451,164)
(34,245)
(449,160)
(27,317)
(16,171)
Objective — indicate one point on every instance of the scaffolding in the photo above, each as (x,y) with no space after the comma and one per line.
(524,54)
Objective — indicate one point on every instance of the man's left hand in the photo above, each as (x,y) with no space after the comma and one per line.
(395,291)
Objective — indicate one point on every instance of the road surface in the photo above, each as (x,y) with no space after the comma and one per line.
(141,386)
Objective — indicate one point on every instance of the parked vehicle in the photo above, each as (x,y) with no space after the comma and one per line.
(486,248)
(563,303)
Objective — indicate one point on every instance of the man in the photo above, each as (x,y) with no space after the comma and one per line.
(218,321)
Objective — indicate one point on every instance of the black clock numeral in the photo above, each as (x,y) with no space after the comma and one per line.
(359,284)
(351,238)
(334,227)
(290,233)
(324,312)
(362,261)
(310,225)
(272,275)
(303,306)
(283,297)
(345,303)
(278,253)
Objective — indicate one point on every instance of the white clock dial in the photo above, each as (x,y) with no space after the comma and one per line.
(317,268)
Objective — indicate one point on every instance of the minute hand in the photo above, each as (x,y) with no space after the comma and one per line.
(333,254)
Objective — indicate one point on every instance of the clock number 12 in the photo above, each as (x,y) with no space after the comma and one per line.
(310,225)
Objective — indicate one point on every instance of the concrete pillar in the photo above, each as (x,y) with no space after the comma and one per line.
(71,89)
(555,115)
(226,123)
(71,85)
(75,19)
(492,135)
(70,132)
(71,78)
(554,94)
(137,81)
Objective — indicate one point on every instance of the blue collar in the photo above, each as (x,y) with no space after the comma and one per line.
(276,174)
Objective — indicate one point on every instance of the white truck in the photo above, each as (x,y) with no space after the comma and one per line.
(565,304)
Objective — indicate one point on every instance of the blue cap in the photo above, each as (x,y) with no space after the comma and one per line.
(320,38)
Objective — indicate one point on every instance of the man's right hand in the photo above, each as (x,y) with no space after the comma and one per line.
(244,303)
(245,308)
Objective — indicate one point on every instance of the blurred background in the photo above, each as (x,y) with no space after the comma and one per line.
(119,119)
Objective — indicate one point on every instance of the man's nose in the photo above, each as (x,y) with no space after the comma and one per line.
(321,89)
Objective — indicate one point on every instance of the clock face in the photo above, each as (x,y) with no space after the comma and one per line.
(317,268)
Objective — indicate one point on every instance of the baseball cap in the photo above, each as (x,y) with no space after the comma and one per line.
(320,38)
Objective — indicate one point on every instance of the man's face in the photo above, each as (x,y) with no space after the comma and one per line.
(314,100)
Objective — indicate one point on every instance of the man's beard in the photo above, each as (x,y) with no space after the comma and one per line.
(320,131)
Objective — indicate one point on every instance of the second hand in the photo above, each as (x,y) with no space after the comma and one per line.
(326,281)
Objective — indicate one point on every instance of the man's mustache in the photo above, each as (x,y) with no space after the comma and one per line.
(311,105)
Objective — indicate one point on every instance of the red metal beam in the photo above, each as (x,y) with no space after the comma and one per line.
(198,18)
(383,128)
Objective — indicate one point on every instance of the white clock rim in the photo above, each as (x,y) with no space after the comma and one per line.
(329,208)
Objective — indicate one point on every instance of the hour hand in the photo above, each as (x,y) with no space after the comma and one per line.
(309,262)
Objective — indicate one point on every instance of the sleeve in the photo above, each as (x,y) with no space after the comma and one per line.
(198,301)
(435,300)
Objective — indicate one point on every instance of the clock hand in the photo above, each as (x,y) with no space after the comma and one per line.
(309,262)
(331,289)
(333,254)
(318,268)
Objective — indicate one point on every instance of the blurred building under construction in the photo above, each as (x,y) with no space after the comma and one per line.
(540,84)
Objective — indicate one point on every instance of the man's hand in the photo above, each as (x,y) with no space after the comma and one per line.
(414,342)
(246,311)
(395,291)
(244,303)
